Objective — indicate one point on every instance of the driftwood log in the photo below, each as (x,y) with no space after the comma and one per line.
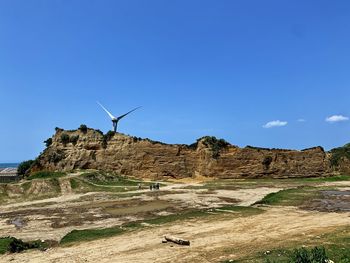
(178,241)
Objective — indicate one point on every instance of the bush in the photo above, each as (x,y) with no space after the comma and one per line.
(83,128)
(339,153)
(48,142)
(56,156)
(99,131)
(215,145)
(109,135)
(74,139)
(106,137)
(14,245)
(24,167)
(315,255)
(65,138)
(267,161)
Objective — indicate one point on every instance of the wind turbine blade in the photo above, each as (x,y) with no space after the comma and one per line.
(122,116)
(110,114)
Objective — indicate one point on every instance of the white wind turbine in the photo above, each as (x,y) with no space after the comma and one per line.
(116,119)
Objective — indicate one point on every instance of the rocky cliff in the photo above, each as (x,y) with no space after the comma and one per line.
(89,148)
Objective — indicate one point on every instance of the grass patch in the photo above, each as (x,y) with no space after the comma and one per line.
(74,184)
(4,244)
(336,178)
(291,197)
(13,245)
(90,234)
(45,175)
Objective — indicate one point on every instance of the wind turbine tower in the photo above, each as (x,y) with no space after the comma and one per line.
(115,120)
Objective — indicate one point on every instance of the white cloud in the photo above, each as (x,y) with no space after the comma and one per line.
(301,120)
(277,123)
(337,118)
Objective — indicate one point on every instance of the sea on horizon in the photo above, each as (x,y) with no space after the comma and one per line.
(9,165)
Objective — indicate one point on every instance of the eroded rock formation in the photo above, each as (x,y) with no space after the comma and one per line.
(209,157)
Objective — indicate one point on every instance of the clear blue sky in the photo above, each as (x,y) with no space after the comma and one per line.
(222,68)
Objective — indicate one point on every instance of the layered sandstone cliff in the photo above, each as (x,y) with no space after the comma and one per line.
(209,157)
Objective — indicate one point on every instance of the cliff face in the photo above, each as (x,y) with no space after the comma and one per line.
(144,158)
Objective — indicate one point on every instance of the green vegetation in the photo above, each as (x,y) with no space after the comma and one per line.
(13,245)
(99,131)
(58,129)
(64,138)
(90,234)
(46,174)
(83,128)
(48,142)
(340,153)
(5,244)
(74,139)
(314,255)
(325,179)
(74,184)
(267,161)
(109,135)
(106,137)
(291,197)
(23,167)
(105,178)
(56,156)
(215,145)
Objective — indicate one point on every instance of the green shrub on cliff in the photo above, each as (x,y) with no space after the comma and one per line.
(267,161)
(339,153)
(74,139)
(48,142)
(24,167)
(215,145)
(83,128)
(64,138)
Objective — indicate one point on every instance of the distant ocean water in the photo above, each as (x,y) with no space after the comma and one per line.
(9,165)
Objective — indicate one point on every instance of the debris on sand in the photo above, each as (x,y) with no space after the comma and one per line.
(176,240)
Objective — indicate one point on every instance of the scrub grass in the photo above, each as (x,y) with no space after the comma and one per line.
(291,197)
(45,175)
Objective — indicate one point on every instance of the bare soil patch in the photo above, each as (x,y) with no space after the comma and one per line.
(331,201)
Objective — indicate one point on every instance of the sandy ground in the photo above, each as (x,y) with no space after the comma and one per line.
(209,239)
(53,218)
